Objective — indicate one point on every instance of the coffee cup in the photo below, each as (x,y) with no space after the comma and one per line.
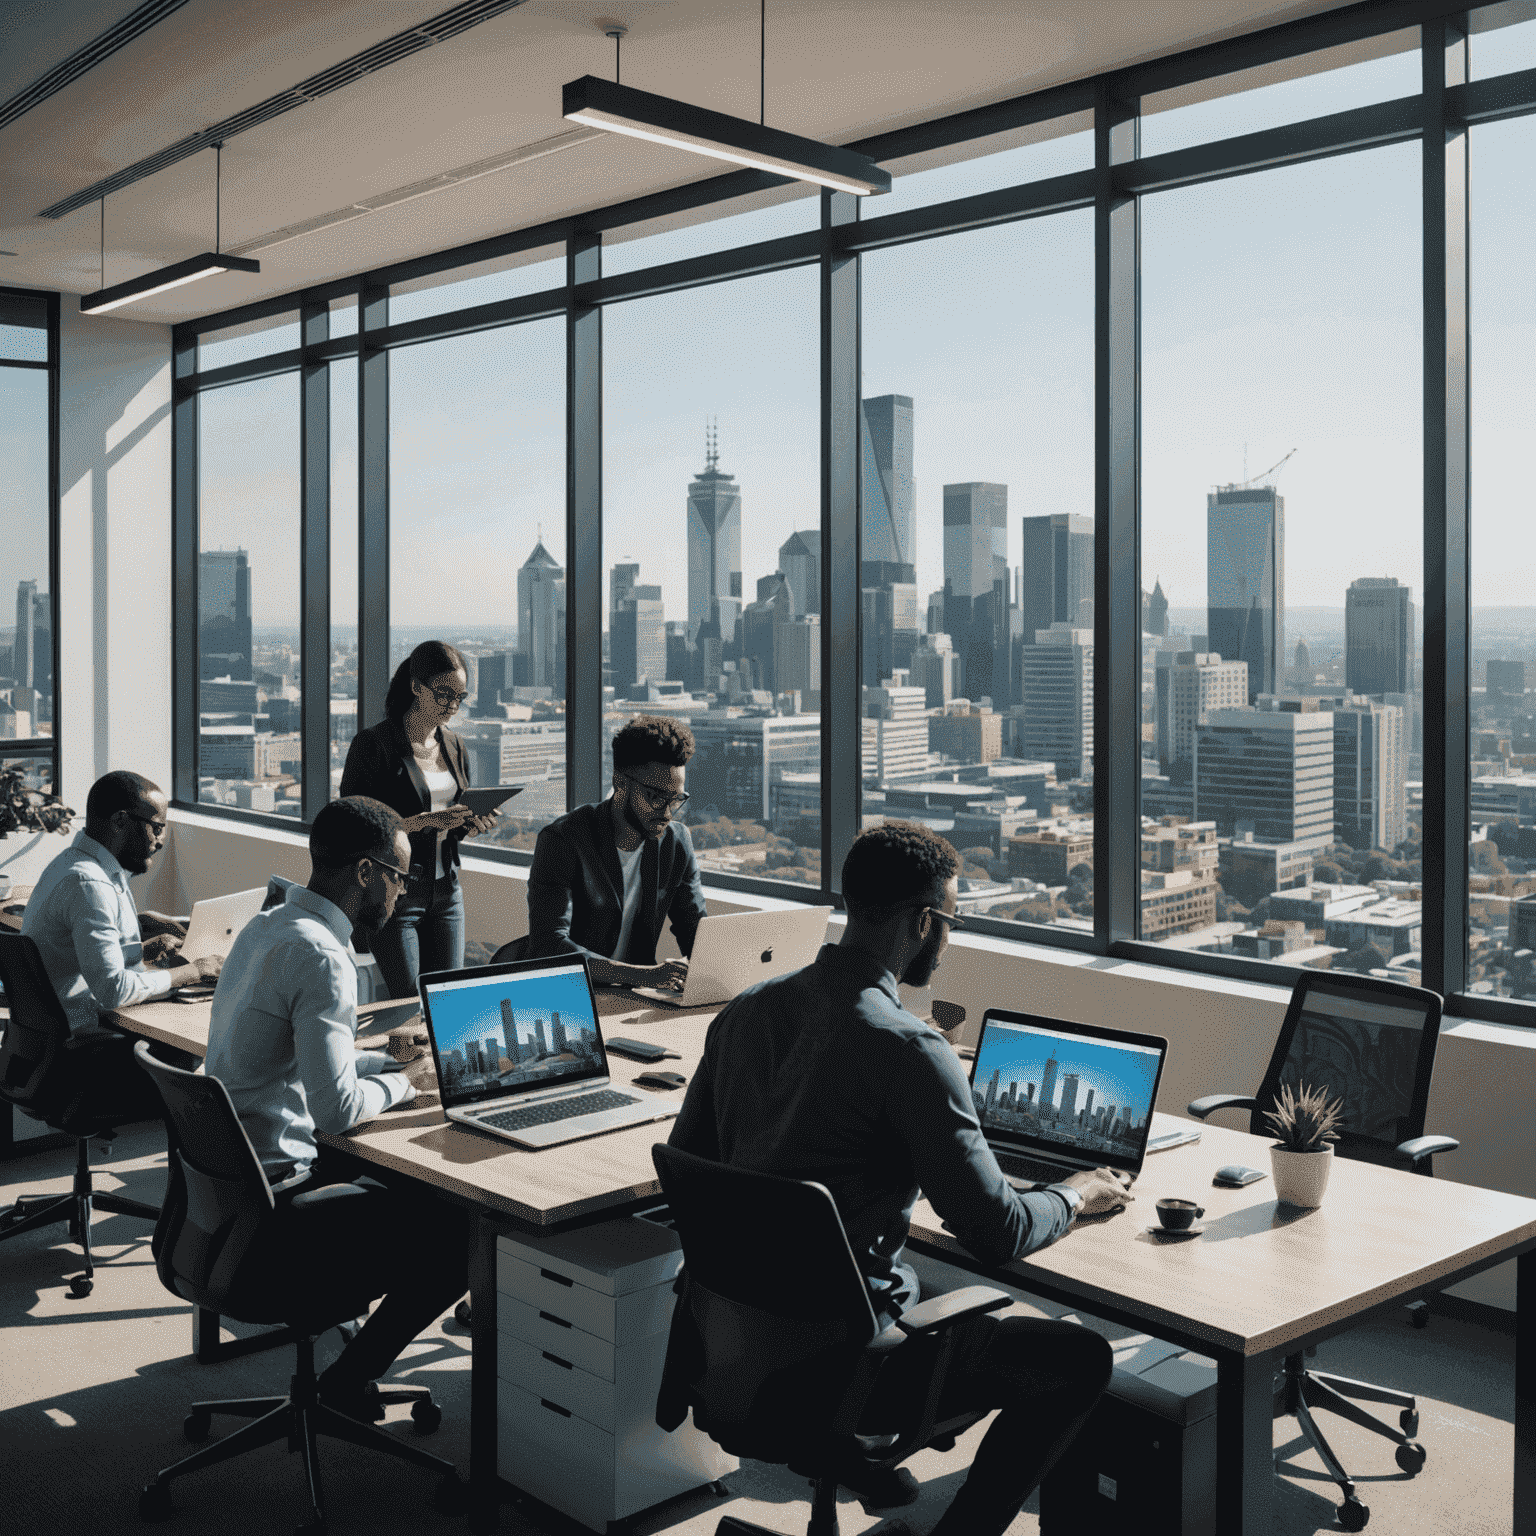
(1178,1215)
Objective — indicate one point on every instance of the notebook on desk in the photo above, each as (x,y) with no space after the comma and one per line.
(520,1054)
(1056,1099)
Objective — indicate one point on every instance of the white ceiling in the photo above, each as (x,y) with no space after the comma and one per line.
(837,70)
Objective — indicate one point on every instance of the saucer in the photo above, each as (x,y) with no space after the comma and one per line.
(1179,1236)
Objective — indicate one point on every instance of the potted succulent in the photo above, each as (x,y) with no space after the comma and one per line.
(27,810)
(1305,1120)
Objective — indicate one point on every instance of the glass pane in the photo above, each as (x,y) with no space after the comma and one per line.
(508,277)
(1503,39)
(728,634)
(1332,80)
(717,228)
(23,327)
(343,376)
(1281,516)
(343,317)
(248,597)
(977,543)
(26,624)
(477,547)
(1007,159)
(36,773)
(1501,928)
(254,338)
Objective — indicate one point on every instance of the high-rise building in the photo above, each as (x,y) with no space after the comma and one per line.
(714,548)
(1267,770)
(892,628)
(1057,688)
(800,561)
(760,622)
(1378,636)
(894,732)
(1048,1084)
(738,759)
(936,670)
(637,638)
(556,1033)
(22,651)
(496,674)
(513,1050)
(1056,573)
(1069,1096)
(976,586)
(797,659)
(541,621)
(1245,581)
(1370,771)
(888,497)
(622,577)
(224,614)
(1155,614)
(964,732)
(1189,687)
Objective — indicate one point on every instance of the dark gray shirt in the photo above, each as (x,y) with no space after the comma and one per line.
(824,1075)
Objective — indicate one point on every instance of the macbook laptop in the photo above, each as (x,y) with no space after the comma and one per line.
(1056,1099)
(520,1054)
(734,951)
(214,924)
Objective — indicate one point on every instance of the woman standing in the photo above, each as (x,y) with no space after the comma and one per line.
(417,766)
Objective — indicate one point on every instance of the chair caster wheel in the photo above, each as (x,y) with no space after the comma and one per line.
(80,1285)
(1408,1419)
(1411,1458)
(1421,1318)
(425,1417)
(451,1496)
(196,1425)
(463,1316)
(155,1502)
(1353,1515)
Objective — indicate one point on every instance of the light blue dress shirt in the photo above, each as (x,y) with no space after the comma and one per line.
(282,1034)
(82,917)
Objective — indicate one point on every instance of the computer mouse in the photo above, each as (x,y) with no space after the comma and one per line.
(661,1079)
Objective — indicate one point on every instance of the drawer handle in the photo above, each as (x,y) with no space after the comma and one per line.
(549,1317)
(564,1413)
(565,1365)
(549,1274)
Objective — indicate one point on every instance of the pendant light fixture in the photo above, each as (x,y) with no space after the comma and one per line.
(622,109)
(209,264)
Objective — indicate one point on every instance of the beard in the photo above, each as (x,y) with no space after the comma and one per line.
(636,825)
(372,916)
(925,962)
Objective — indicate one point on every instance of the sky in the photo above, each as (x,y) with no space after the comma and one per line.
(1117,1074)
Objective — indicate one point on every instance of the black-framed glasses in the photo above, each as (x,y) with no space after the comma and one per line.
(154,823)
(658,799)
(447,698)
(401,875)
(949,917)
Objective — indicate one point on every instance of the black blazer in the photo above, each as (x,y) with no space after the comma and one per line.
(380,765)
(576,889)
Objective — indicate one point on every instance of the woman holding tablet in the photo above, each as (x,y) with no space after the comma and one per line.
(419,768)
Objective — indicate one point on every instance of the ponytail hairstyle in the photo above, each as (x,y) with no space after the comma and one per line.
(430,659)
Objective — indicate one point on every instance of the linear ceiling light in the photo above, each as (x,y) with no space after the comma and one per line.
(209,264)
(622,109)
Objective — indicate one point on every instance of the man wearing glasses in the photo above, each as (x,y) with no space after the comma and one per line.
(281,1040)
(823,1075)
(606,877)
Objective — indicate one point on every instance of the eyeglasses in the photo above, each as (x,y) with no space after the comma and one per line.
(447,698)
(154,823)
(949,917)
(402,876)
(658,799)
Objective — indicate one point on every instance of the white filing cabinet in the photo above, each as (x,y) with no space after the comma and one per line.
(582,1320)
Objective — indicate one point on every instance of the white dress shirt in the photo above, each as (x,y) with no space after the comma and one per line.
(282,1035)
(82,917)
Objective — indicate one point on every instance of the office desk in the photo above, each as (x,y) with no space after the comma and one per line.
(1264,1282)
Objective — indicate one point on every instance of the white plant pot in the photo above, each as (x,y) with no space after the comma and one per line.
(1300,1177)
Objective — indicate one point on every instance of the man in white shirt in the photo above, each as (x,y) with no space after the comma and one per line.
(82,917)
(281,1040)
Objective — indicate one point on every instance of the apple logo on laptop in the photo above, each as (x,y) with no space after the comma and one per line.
(766,955)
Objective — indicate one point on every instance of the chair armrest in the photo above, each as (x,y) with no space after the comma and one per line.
(1200,1108)
(943,1312)
(1426,1146)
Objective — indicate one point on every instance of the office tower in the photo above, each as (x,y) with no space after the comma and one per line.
(1189,685)
(1303,662)
(800,561)
(797,659)
(1370,771)
(714,548)
(1378,636)
(760,621)
(556,1033)
(737,760)
(1267,770)
(1245,581)
(492,1053)
(637,638)
(1048,1084)
(935,622)
(224,614)
(1069,1096)
(682,654)
(1155,614)
(887,496)
(1506,679)
(509,1032)
(992,1090)
(1057,688)
(541,621)
(1055,573)
(1088,1105)
(963,732)
(892,627)
(894,733)
(936,670)
(622,577)
(496,674)
(540,1047)
(976,586)
(23,652)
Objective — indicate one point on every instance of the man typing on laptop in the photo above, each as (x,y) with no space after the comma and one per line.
(823,1075)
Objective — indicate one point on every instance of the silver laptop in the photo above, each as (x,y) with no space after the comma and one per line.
(734,951)
(214,924)
(1056,1098)
(520,1054)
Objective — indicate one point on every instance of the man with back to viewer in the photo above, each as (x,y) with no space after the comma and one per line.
(823,1075)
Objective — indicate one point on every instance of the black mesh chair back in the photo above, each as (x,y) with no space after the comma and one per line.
(36,1035)
(1371,1044)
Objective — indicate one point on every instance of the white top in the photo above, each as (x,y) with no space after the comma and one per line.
(630,864)
(442,787)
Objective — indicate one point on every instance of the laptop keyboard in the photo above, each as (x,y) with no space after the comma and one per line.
(1031,1169)
(557,1109)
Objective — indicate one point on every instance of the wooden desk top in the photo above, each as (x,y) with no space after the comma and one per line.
(10,922)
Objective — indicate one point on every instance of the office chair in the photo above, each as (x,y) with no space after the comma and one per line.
(52,1076)
(776,1348)
(217,1206)
(1371,1044)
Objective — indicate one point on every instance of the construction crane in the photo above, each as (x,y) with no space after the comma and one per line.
(1268,475)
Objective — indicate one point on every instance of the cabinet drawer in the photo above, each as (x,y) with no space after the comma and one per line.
(612,1257)
(546,1330)
(546,1374)
(562,1460)
(619,1319)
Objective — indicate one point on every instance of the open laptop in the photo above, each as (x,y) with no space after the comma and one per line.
(215,923)
(519,1053)
(734,951)
(1056,1098)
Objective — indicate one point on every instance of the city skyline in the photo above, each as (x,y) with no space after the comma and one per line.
(1116,1074)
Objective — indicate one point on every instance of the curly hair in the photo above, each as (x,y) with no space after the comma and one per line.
(353,827)
(894,865)
(652,739)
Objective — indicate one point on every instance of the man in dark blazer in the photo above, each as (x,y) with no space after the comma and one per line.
(606,877)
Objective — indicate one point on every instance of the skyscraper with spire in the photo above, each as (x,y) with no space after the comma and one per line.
(714,546)
(541,621)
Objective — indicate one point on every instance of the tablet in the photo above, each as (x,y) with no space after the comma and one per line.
(484,801)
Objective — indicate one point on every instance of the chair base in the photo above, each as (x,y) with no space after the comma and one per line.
(300,1418)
